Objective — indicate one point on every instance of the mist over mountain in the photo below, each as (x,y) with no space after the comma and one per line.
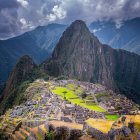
(38,44)
(126,37)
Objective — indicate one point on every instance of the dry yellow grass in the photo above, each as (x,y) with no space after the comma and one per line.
(131,118)
(102,125)
(105,125)
(69,125)
(135,119)
(43,128)
(86,138)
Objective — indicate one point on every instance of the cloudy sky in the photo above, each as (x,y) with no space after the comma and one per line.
(18,16)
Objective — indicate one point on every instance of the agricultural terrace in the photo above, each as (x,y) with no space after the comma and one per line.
(135,119)
(102,125)
(71,96)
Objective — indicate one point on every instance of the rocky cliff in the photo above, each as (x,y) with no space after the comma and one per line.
(79,54)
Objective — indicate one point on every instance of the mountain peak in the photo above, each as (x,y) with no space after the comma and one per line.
(21,72)
(76,33)
(25,57)
(78,25)
(79,22)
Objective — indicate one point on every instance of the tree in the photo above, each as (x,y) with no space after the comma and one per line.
(123,119)
(1,136)
(50,133)
(83,95)
(75,134)
(62,133)
(64,92)
(131,126)
(51,128)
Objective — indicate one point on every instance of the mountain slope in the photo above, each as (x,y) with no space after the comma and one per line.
(23,73)
(38,44)
(79,54)
(126,37)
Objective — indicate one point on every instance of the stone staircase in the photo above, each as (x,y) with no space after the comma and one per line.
(10,129)
(22,133)
(19,135)
(25,132)
(39,132)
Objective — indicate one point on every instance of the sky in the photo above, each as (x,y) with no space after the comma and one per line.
(18,16)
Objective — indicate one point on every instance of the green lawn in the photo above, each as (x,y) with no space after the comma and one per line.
(73,98)
(113,117)
(71,86)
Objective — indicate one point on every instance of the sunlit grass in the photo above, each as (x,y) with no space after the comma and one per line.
(100,124)
(112,117)
(73,98)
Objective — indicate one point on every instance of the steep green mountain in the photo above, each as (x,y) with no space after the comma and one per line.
(38,44)
(79,54)
(23,73)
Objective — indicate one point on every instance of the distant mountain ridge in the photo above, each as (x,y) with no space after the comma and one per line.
(80,55)
(126,37)
(38,44)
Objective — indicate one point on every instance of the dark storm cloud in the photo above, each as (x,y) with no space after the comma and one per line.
(8,4)
(17,16)
(9,25)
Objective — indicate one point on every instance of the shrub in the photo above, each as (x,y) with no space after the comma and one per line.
(75,134)
(83,95)
(62,133)
(49,135)
(51,128)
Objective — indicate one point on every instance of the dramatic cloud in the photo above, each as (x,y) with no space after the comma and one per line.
(23,3)
(17,16)
(9,24)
